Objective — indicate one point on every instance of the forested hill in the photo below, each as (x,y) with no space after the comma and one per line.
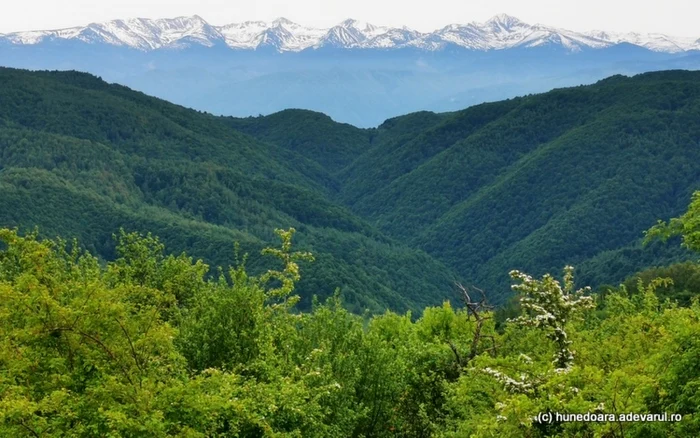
(393,214)
(82,158)
(570,176)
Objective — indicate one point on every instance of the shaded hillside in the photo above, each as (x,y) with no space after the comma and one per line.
(313,135)
(79,157)
(394,214)
(572,176)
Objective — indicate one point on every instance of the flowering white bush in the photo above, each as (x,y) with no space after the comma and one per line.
(511,385)
(549,306)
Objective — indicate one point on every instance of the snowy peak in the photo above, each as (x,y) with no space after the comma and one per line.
(346,34)
(500,32)
(282,35)
(341,36)
(503,21)
(352,33)
(652,41)
(281,21)
(153,34)
(367,29)
(138,33)
(394,38)
(275,37)
(185,30)
(507,32)
(246,35)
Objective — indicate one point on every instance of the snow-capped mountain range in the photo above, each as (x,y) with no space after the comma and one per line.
(500,32)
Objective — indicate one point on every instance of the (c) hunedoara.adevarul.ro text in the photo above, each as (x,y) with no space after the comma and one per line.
(558,417)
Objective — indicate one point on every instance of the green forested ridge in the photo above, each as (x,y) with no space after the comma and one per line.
(149,345)
(83,158)
(314,135)
(570,176)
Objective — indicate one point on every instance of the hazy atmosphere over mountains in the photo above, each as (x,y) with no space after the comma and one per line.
(356,72)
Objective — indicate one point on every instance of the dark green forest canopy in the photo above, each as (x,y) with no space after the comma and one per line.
(82,158)
(393,214)
(570,176)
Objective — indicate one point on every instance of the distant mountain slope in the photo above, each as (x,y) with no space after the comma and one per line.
(313,135)
(81,158)
(394,213)
(572,176)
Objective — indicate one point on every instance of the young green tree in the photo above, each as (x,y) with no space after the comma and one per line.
(687,226)
(80,355)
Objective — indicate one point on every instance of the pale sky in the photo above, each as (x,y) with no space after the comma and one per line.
(673,17)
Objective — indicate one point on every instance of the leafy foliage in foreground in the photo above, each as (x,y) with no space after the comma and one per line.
(149,345)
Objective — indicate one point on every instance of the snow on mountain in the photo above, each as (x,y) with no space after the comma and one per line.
(506,32)
(653,41)
(341,36)
(138,33)
(192,29)
(303,37)
(393,38)
(498,33)
(244,35)
(573,41)
(351,34)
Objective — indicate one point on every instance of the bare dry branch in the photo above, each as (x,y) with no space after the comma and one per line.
(477,310)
